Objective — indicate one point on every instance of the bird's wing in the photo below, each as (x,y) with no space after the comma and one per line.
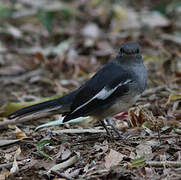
(101,91)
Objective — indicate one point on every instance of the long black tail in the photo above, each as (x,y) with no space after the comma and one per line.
(59,105)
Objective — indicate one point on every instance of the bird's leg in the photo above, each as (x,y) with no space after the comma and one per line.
(105,127)
(109,121)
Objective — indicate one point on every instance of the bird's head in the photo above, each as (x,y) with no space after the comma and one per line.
(129,49)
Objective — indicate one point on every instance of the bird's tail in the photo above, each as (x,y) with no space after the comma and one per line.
(59,105)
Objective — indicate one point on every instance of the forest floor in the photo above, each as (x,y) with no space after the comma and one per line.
(50,49)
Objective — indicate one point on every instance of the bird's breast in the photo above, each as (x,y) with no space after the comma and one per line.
(119,106)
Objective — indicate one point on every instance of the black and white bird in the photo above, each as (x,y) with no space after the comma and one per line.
(113,89)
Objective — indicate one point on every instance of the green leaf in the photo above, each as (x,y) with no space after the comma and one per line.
(6,12)
(137,162)
(161,7)
(46,18)
(67,13)
(41,144)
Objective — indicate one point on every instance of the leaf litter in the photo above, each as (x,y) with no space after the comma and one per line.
(51,48)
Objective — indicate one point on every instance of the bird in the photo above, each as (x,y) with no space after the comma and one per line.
(113,89)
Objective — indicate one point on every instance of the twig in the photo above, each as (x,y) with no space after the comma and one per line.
(6,165)
(175,164)
(153,90)
(165,136)
(79,131)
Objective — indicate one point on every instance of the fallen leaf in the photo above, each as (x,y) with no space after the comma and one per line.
(41,144)
(64,164)
(113,158)
(4,175)
(91,30)
(173,97)
(65,154)
(144,150)
(154,19)
(178,131)
(15,167)
(15,32)
(103,148)
(20,134)
(71,173)
(4,142)
(136,117)
(137,162)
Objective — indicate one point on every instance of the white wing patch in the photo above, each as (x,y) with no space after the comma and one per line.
(103,94)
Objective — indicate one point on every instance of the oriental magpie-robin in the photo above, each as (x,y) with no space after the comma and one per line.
(113,89)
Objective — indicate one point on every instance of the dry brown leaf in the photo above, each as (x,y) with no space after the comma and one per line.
(136,117)
(4,175)
(20,134)
(11,126)
(39,57)
(177,114)
(174,123)
(144,150)
(113,158)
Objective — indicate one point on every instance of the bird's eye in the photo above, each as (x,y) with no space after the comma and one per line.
(121,50)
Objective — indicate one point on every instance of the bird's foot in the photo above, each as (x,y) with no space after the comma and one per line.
(109,122)
(107,130)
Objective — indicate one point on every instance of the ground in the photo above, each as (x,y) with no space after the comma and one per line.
(49,49)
